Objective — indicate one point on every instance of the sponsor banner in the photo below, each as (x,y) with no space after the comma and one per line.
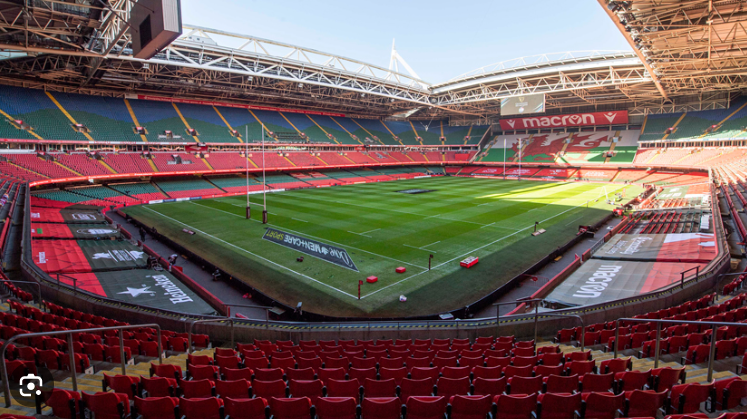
(599,281)
(527,104)
(675,247)
(554,173)
(593,174)
(488,171)
(232,105)
(524,171)
(570,120)
(310,247)
(110,255)
(70,231)
(158,289)
(54,215)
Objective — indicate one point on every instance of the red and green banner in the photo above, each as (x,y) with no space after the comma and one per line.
(79,256)
(73,231)
(675,247)
(56,215)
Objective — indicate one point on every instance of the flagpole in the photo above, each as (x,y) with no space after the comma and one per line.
(246,157)
(264,181)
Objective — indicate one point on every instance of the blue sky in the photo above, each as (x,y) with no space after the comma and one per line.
(439,39)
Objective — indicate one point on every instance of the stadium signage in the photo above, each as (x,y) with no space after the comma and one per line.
(570,120)
(598,282)
(313,248)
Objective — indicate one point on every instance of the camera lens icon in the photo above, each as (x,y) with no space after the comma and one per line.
(30,385)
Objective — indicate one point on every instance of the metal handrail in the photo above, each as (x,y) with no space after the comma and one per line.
(192,325)
(71,349)
(659,322)
(38,287)
(581,319)
(517,303)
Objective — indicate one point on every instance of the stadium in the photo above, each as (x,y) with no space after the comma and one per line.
(212,224)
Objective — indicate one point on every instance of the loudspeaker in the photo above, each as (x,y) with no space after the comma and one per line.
(154,25)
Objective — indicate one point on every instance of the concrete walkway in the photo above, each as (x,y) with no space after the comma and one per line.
(225,292)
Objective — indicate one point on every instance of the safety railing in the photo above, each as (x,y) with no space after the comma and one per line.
(75,281)
(71,350)
(38,289)
(657,348)
(517,303)
(194,322)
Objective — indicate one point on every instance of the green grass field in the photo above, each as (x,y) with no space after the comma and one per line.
(382,229)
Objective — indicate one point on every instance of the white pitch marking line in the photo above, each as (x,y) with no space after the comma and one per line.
(318,238)
(253,254)
(487,203)
(360,234)
(418,248)
(304,221)
(471,251)
(370,231)
(429,245)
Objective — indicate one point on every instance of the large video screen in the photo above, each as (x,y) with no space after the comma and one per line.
(520,105)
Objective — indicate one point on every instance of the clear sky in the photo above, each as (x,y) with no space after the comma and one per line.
(439,39)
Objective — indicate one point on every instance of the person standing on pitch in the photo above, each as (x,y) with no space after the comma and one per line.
(172,260)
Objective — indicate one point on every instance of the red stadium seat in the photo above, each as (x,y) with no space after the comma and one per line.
(246,408)
(410,387)
(603,405)
(524,385)
(106,405)
(643,403)
(201,372)
(269,389)
(235,389)
(686,398)
(268,374)
(597,382)
(469,407)
(156,408)
(292,408)
(204,408)
(455,372)
(343,388)
(729,393)
(158,386)
(381,408)
(300,374)
(336,408)
(230,374)
(64,403)
(486,372)
(452,386)
(362,374)
(518,406)
(397,374)
(197,389)
(121,384)
(560,384)
(313,389)
(428,407)
(557,406)
(382,388)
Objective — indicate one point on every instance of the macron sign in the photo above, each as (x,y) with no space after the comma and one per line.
(571,120)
